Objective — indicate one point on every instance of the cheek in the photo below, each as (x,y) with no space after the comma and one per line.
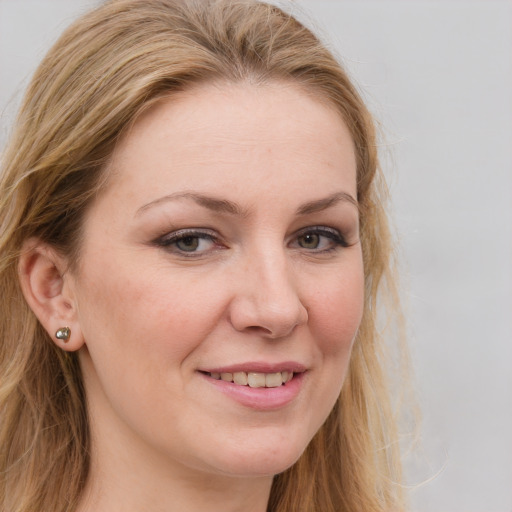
(140,328)
(133,307)
(336,312)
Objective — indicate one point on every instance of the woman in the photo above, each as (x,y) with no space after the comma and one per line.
(192,244)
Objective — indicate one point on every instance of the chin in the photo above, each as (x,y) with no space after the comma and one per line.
(260,468)
(265,459)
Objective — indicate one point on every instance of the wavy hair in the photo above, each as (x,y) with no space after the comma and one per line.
(105,69)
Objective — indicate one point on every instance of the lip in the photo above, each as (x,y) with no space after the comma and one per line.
(259,399)
(258,367)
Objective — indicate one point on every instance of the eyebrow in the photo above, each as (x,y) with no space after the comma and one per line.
(327,202)
(229,207)
(212,203)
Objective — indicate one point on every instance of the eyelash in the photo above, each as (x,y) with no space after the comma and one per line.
(168,240)
(332,234)
(172,239)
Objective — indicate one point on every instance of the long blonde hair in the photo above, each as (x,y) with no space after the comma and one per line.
(104,70)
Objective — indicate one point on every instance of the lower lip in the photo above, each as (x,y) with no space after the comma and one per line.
(262,399)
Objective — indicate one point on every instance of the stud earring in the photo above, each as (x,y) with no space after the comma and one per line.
(63,334)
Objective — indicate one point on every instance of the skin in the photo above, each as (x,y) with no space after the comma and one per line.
(146,316)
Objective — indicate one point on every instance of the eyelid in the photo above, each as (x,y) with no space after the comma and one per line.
(169,240)
(334,234)
(172,236)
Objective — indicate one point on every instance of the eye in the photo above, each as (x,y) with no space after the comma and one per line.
(309,240)
(188,242)
(319,239)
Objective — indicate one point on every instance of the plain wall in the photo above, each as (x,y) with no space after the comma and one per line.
(438,76)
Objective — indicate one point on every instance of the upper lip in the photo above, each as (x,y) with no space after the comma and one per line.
(257,367)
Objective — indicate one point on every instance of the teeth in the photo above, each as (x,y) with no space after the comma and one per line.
(273,380)
(255,379)
(240,378)
(228,377)
(287,376)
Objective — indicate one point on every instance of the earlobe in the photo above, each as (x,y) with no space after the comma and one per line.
(48,290)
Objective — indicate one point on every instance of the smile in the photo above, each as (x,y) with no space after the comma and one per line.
(254,379)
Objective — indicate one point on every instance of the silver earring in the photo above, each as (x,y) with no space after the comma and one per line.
(63,334)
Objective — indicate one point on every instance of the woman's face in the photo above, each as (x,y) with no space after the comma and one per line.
(225,247)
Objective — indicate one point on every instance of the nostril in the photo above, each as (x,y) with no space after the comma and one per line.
(275,333)
(256,328)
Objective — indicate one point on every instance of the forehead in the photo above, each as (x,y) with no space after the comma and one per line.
(224,131)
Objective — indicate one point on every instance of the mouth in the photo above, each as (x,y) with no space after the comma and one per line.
(253,379)
(260,386)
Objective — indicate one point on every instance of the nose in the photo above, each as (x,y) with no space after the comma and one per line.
(267,301)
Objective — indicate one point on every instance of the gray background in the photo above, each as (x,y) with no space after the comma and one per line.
(438,76)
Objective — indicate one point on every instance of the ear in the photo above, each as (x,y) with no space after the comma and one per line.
(48,290)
